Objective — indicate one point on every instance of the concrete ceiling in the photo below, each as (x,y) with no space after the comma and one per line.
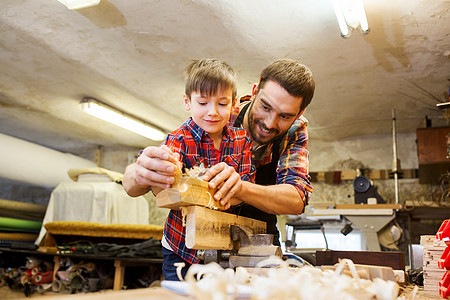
(131,55)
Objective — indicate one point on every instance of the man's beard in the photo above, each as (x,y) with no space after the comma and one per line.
(252,128)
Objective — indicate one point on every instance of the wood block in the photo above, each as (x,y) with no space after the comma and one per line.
(378,174)
(400,276)
(410,173)
(385,273)
(119,275)
(52,250)
(188,191)
(329,177)
(210,229)
(369,272)
(431,241)
(320,176)
(313,176)
(348,175)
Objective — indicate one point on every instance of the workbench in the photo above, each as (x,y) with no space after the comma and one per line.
(155,293)
(370,218)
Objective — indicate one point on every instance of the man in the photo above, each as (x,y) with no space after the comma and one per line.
(273,117)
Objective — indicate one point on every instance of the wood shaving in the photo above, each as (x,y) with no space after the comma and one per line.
(211,281)
(196,172)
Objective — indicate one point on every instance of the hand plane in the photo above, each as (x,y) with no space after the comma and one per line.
(188,189)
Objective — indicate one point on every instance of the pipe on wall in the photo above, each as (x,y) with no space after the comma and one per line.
(34,164)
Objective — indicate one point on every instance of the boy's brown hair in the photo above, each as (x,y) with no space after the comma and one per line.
(208,76)
(296,78)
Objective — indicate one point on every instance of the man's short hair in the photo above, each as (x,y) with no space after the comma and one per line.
(296,78)
(208,76)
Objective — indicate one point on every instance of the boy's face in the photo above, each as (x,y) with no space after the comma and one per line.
(211,113)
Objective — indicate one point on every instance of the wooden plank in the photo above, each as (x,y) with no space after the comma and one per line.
(322,205)
(354,212)
(369,272)
(348,175)
(160,293)
(432,251)
(395,260)
(152,293)
(320,176)
(368,206)
(378,174)
(119,275)
(210,229)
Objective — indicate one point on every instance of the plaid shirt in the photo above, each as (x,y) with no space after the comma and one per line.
(196,147)
(293,162)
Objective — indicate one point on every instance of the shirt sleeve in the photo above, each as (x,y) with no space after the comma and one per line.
(294,162)
(175,144)
(247,168)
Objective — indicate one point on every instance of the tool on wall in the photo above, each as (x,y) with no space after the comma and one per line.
(365,191)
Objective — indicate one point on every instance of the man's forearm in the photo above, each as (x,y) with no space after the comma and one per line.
(275,199)
(130,185)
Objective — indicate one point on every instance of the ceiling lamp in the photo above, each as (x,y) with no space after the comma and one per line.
(119,118)
(350,15)
(78,4)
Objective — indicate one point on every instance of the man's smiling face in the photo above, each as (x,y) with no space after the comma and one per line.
(272,112)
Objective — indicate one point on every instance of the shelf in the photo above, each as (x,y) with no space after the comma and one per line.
(120,263)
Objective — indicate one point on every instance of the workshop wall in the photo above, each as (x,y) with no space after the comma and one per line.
(369,152)
(372,152)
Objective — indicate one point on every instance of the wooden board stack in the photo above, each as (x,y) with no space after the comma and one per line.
(432,274)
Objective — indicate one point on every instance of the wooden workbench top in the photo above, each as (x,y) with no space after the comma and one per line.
(368,206)
(154,293)
(157,293)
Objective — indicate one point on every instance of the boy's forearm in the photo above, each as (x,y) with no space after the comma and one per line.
(275,199)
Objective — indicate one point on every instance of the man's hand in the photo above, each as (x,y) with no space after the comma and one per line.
(155,167)
(226,179)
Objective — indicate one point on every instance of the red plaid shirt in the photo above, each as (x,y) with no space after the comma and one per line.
(293,162)
(196,147)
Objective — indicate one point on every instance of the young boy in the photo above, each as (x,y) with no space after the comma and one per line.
(210,95)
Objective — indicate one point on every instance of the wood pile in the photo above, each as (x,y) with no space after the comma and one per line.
(432,274)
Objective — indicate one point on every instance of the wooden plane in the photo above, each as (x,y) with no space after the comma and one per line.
(187,191)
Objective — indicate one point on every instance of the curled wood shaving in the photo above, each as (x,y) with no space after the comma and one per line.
(211,281)
(196,172)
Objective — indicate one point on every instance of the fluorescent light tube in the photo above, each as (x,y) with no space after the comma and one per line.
(78,4)
(362,17)
(340,18)
(118,118)
(350,15)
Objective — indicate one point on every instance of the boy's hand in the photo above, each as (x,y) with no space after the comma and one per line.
(226,179)
(156,167)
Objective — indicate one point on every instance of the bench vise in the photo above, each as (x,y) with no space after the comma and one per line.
(248,249)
